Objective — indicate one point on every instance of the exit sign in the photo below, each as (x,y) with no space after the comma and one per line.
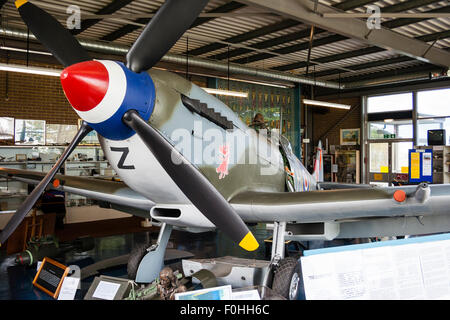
(389,136)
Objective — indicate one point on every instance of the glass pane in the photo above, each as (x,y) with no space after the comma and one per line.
(30,131)
(400,129)
(400,153)
(433,103)
(60,133)
(379,157)
(430,124)
(389,103)
(6,128)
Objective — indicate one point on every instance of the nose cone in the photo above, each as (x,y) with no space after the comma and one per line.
(85,84)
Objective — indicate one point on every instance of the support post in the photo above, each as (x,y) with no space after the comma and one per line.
(153,261)
(297,143)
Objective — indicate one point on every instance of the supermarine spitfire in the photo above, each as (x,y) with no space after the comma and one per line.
(187,161)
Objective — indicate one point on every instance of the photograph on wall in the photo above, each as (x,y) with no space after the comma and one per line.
(30,132)
(349,137)
(6,131)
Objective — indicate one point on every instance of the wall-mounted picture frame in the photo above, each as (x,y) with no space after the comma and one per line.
(29,132)
(349,137)
(6,131)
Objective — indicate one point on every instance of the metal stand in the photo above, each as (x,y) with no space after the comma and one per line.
(279,230)
(278,248)
(153,261)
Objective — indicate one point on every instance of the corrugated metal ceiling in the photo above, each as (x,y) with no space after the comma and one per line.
(225,27)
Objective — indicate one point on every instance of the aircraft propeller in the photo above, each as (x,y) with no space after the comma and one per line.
(162,32)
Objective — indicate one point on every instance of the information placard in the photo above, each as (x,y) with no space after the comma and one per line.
(50,276)
(420,165)
(409,269)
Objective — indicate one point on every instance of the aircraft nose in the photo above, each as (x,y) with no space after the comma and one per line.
(85,84)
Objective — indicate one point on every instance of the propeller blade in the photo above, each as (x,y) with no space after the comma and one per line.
(63,45)
(162,32)
(193,183)
(29,202)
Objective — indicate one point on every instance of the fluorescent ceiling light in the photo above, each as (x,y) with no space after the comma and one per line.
(226,92)
(25,50)
(326,104)
(30,70)
(388,120)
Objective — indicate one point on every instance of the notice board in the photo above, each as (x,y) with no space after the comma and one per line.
(420,165)
(407,269)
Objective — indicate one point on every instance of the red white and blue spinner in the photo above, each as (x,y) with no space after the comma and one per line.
(101,91)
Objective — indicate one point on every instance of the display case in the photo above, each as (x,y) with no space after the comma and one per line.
(84,161)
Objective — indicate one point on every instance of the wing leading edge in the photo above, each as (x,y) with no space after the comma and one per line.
(344,204)
(118,194)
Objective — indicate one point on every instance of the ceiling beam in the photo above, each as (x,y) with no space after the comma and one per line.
(362,66)
(395,23)
(346,5)
(355,29)
(422,68)
(368,50)
(128,28)
(352,4)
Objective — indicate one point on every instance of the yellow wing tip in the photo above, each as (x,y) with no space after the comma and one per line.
(249,242)
(20,3)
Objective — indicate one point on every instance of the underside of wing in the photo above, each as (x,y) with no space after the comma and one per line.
(361,212)
(117,194)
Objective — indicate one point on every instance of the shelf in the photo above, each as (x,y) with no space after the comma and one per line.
(26,162)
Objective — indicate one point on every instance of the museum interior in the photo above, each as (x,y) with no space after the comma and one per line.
(224,150)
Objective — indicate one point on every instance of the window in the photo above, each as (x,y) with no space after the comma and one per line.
(379,157)
(6,128)
(430,124)
(400,156)
(400,129)
(30,131)
(433,108)
(433,103)
(58,134)
(390,103)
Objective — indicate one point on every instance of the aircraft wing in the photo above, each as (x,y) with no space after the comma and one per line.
(115,193)
(339,185)
(393,206)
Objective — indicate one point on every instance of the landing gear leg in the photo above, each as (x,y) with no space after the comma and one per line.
(285,273)
(153,261)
